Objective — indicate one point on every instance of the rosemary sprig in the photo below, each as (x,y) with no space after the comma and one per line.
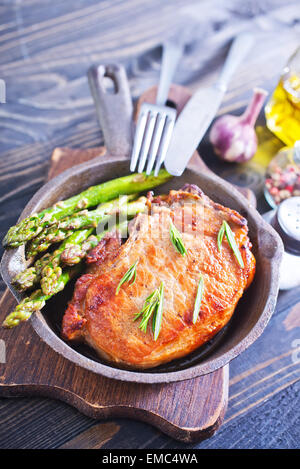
(131,272)
(152,305)
(157,316)
(176,239)
(198,299)
(225,229)
(221,236)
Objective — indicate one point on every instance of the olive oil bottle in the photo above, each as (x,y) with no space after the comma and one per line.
(283,109)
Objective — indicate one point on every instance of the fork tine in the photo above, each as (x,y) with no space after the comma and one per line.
(155,141)
(166,137)
(147,141)
(138,139)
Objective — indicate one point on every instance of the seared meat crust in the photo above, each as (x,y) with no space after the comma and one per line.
(104,320)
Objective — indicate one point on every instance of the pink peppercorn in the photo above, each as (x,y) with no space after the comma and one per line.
(274,191)
(283,175)
(282,183)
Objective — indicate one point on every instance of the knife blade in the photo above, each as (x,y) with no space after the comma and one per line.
(201,109)
(190,128)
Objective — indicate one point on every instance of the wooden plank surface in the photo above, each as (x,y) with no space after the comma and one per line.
(46,48)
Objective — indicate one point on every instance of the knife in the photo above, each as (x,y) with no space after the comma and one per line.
(202,107)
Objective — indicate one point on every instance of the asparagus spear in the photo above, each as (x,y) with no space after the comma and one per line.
(38,245)
(83,219)
(52,271)
(31,226)
(29,277)
(75,253)
(32,275)
(52,274)
(92,218)
(37,300)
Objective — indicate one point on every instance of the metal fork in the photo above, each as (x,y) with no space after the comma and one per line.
(156,121)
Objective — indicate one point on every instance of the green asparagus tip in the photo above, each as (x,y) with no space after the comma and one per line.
(14,318)
(50,282)
(25,279)
(72,255)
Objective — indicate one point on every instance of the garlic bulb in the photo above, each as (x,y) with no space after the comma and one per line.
(234,138)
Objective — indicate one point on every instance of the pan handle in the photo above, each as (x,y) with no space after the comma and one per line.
(114,110)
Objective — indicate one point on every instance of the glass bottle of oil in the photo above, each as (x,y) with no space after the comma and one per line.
(283,109)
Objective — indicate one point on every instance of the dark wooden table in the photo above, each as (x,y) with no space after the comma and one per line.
(45,50)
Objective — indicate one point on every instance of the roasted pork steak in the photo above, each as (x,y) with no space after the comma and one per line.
(105,320)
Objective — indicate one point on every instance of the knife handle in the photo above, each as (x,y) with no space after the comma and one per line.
(238,50)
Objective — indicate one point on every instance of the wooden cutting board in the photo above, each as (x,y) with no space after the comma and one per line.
(188,411)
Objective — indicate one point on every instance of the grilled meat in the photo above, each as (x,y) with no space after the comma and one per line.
(104,320)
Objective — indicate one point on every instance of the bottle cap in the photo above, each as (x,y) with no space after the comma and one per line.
(287,222)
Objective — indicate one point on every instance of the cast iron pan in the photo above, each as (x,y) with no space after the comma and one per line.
(254,309)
